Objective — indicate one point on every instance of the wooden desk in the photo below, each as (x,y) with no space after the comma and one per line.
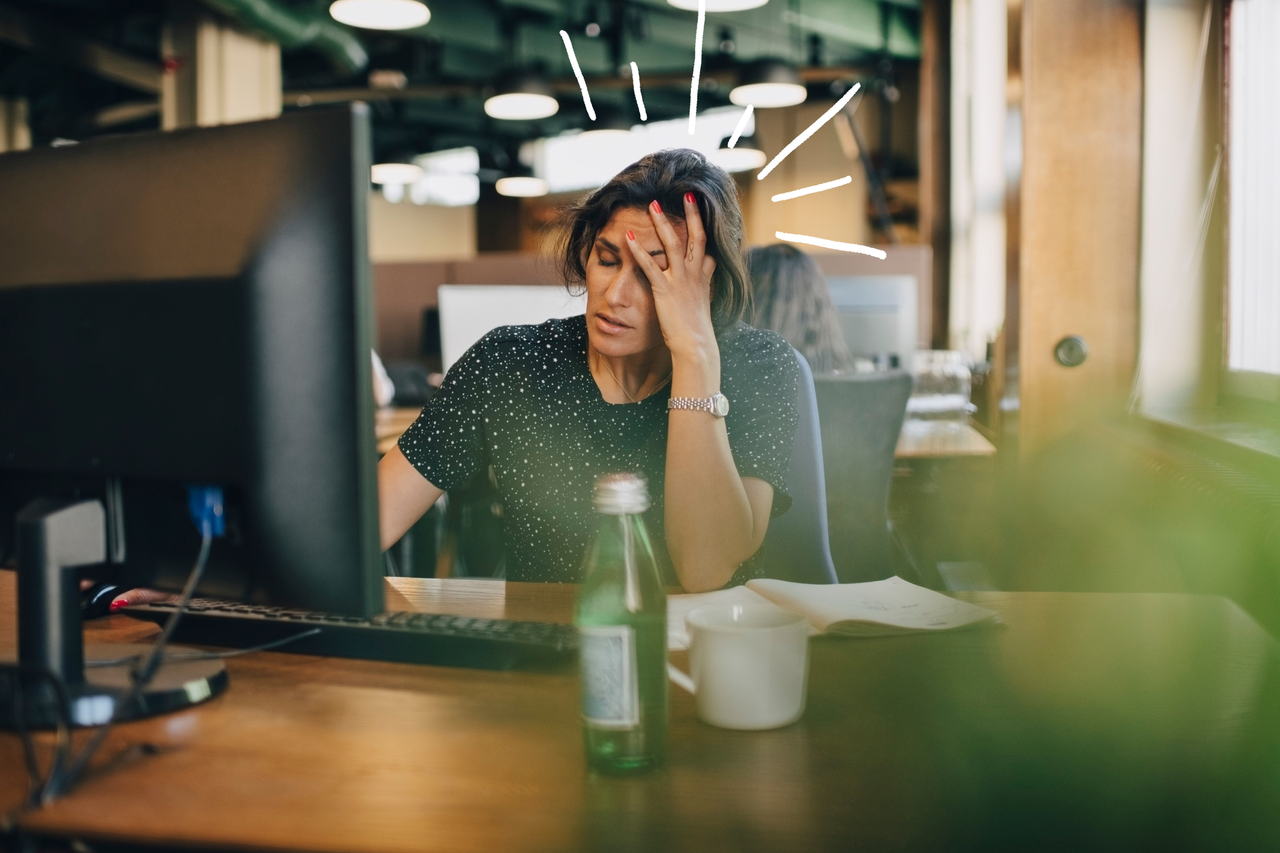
(940,440)
(1089,721)
(943,495)
(944,441)
(390,423)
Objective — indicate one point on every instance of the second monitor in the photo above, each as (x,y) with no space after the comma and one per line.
(470,311)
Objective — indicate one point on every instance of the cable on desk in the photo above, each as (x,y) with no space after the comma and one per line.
(265,647)
(140,676)
(205,506)
(37,783)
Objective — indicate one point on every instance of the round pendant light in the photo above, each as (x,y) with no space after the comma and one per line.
(522,96)
(609,123)
(380,14)
(743,157)
(768,83)
(521,186)
(719,5)
(395,172)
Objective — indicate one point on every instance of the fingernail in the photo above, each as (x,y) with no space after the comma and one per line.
(657,208)
(631,236)
(689,198)
(117,604)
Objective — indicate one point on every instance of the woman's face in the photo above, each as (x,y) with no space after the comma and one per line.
(621,318)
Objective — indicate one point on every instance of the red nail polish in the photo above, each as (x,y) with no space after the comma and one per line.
(656,207)
(117,604)
(689,198)
(631,236)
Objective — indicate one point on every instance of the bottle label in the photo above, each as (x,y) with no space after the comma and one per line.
(610,694)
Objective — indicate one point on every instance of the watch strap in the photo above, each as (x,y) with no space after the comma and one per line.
(717,405)
(697,404)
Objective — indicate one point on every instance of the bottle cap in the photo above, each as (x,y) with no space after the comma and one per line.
(621,494)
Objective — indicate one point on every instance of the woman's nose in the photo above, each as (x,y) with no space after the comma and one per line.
(622,288)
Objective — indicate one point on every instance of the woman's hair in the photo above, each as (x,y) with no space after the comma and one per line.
(792,299)
(666,176)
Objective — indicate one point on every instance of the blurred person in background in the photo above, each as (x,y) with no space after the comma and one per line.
(792,299)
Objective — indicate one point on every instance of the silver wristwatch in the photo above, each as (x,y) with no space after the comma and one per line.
(716,404)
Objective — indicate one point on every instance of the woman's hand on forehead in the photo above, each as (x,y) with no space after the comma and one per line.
(682,285)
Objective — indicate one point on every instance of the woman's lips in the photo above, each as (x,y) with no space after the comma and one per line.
(611,324)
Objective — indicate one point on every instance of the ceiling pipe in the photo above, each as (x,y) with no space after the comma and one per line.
(294,28)
(561,85)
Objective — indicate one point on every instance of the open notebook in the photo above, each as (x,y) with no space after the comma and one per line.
(875,609)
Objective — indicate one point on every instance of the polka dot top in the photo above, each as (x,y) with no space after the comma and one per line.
(523,401)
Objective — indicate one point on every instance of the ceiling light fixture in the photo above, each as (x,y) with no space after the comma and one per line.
(445,189)
(609,122)
(522,96)
(743,157)
(451,161)
(395,173)
(719,5)
(521,186)
(768,83)
(380,14)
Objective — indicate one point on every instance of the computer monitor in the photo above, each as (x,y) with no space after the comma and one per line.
(470,311)
(194,307)
(878,314)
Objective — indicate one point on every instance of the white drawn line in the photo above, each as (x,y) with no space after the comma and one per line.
(816,188)
(742,125)
(697,66)
(830,244)
(577,72)
(810,131)
(635,85)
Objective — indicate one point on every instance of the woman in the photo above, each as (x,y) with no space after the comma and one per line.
(554,406)
(792,299)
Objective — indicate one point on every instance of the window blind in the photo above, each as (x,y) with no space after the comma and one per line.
(1253,296)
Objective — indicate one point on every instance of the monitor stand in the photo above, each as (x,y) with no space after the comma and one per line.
(54,539)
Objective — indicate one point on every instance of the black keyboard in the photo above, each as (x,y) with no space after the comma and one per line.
(401,637)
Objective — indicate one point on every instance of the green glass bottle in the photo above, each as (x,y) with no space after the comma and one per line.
(622,619)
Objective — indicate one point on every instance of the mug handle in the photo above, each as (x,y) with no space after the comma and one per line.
(681,679)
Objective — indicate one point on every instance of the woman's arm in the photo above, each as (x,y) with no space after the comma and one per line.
(715,519)
(404,496)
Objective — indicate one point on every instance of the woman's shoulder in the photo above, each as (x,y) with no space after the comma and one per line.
(743,344)
(530,339)
(757,364)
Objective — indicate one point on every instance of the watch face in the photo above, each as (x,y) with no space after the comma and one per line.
(721,404)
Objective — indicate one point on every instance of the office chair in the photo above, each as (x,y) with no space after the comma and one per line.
(796,546)
(861,417)
(412,387)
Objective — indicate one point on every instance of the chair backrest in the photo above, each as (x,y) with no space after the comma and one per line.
(411,383)
(861,416)
(796,547)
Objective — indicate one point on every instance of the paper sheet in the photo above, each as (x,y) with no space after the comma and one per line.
(889,606)
(877,608)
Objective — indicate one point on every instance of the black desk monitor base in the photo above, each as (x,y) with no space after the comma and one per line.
(54,538)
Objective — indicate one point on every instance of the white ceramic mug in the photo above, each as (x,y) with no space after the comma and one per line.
(750,665)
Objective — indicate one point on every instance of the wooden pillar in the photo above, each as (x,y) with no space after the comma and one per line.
(1082,151)
(215,73)
(935,155)
(15,128)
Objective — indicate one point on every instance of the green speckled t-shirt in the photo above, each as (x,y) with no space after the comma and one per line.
(524,401)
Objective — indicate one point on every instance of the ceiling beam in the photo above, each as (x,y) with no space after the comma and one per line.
(563,86)
(46,39)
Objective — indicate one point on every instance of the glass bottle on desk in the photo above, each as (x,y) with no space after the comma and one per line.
(622,619)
